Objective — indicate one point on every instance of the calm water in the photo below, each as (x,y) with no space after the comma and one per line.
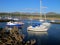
(51,37)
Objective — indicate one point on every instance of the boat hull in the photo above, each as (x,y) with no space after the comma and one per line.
(43,27)
(12,24)
(37,30)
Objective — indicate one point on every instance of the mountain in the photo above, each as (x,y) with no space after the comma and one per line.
(51,13)
(27,13)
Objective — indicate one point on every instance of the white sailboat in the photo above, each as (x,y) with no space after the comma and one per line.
(16,19)
(44,26)
(52,21)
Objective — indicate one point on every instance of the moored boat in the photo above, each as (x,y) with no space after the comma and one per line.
(44,26)
(17,24)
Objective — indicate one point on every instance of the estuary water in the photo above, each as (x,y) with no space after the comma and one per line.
(51,37)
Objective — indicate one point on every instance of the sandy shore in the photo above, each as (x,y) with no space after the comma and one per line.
(53,18)
(48,18)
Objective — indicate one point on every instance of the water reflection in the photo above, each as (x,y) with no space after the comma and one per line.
(41,37)
(37,33)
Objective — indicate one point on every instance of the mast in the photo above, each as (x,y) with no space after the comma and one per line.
(40,9)
(45,16)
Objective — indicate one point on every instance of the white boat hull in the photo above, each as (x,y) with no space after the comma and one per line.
(42,27)
(41,20)
(42,30)
(52,20)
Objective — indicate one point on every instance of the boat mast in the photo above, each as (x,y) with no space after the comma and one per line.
(40,9)
(45,16)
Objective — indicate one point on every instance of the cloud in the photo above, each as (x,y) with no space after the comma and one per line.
(29,9)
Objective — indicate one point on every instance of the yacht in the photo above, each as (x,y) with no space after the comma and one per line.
(43,26)
(41,20)
(15,19)
(11,24)
(52,20)
(9,18)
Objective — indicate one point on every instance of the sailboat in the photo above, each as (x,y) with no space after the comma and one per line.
(52,21)
(43,26)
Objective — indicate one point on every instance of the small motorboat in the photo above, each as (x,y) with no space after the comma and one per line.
(12,24)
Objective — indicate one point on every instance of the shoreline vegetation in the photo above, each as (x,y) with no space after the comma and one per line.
(50,15)
(14,37)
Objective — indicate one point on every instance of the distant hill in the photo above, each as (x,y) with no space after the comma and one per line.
(51,13)
(27,13)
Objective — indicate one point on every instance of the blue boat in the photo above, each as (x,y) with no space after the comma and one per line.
(12,24)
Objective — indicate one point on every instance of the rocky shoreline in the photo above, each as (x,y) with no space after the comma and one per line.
(13,37)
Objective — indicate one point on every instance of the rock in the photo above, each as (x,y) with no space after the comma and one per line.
(13,37)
